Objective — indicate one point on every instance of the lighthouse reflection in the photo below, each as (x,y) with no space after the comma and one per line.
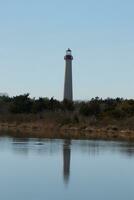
(66,160)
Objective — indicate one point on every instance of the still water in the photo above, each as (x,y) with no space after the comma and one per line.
(42,169)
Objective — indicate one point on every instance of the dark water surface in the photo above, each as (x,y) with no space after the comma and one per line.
(42,169)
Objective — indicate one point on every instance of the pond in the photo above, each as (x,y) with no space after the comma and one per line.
(38,169)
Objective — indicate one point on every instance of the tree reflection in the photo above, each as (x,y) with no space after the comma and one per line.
(128,149)
(20,145)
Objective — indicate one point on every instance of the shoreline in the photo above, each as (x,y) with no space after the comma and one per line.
(53,131)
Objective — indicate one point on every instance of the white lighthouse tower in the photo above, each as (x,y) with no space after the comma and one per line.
(68,86)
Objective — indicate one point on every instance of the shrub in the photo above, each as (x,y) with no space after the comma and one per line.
(68,105)
(90,109)
(21,104)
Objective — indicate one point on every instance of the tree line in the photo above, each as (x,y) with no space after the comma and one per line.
(100,108)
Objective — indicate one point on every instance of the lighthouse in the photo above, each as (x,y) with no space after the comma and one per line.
(68,85)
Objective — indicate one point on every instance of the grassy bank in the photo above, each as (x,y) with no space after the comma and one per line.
(66,126)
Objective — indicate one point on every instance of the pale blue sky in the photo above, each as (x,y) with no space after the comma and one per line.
(34,35)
